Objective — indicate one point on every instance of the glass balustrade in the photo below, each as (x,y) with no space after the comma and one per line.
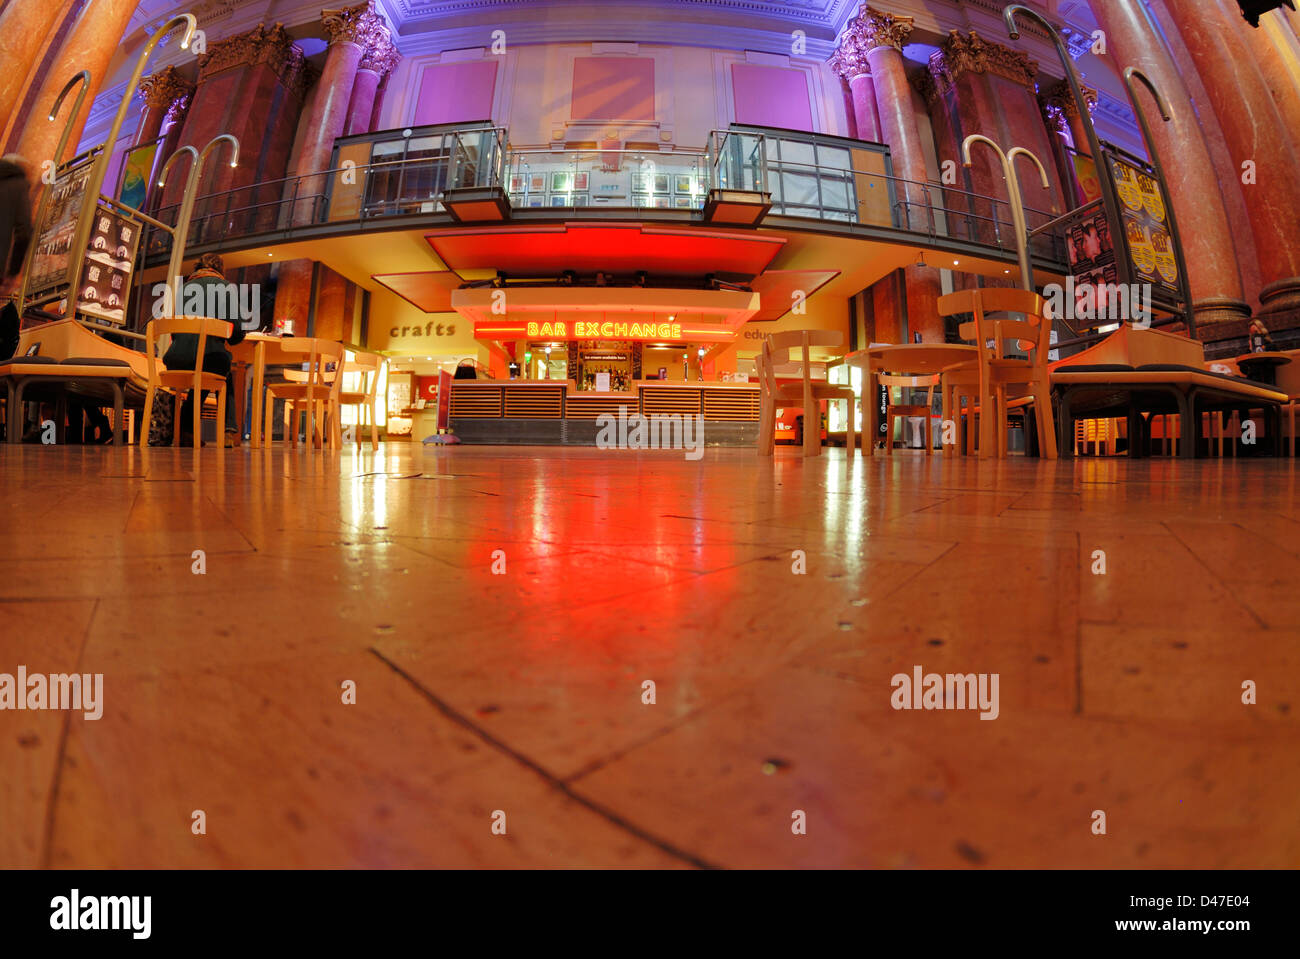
(383,176)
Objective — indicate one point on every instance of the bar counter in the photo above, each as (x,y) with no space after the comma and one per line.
(557,413)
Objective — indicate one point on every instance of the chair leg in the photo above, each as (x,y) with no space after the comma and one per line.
(268,419)
(176,418)
(221,417)
(850,431)
(374,428)
(148,415)
(198,418)
(1045,428)
(890,418)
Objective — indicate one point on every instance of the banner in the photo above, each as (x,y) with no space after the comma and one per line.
(1147,242)
(54,234)
(137,168)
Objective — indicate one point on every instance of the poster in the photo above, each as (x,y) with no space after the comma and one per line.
(110,258)
(54,234)
(1146,240)
(1087,185)
(1091,252)
(136,171)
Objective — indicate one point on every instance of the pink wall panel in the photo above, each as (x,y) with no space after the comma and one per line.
(613,88)
(771,96)
(456,92)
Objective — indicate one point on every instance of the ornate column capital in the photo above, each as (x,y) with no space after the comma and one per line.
(381,56)
(870,29)
(1058,104)
(161,90)
(961,54)
(360,25)
(262,45)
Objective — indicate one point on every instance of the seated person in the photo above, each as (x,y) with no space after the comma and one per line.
(181,355)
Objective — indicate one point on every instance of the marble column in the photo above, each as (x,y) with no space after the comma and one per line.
(988,88)
(377,62)
(1278,62)
(1063,114)
(159,91)
(351,32)
(23,24)
(1208,248)
(94,40)
(879,37)
(1255,131)
(850,63)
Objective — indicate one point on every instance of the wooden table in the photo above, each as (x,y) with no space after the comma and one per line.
(257,350)
(1265,366)
(918,359)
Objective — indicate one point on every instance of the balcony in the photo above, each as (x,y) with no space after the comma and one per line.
(400,179)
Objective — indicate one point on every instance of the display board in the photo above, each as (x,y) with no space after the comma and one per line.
(105,282)
(49,271)
(1147,243)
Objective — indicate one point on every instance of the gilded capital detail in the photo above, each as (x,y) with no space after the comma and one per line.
(381,55)
(161,90)
(1058,104)
(360,25)
(870,29)
(262,45)
(959,55)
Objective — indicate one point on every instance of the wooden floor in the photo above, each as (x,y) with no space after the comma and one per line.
(521,691)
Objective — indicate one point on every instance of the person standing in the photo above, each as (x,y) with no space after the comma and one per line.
(15,235)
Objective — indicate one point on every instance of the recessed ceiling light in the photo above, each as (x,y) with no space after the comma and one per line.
(1006,271)
(956,262)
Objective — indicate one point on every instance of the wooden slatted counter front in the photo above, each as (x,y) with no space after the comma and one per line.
(555,412)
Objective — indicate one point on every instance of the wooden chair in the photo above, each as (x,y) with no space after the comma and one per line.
(368,365)
(775,356)
(312,391)
(902,410)
(181,382)
(997,378)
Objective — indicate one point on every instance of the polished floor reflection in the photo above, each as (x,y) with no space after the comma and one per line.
(500,611)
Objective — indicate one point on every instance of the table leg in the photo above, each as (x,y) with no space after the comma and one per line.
(869,426)
(240,399)
(259,373)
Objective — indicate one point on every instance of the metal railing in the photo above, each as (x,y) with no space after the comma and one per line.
(808,176)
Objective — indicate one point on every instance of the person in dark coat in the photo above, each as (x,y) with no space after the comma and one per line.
(15,235)
(182,353)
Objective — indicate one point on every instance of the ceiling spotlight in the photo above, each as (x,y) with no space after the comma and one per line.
(956,262)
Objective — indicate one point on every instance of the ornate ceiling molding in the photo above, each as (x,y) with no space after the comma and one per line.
(961,54)
(870,29)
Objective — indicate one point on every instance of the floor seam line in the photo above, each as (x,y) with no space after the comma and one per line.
(551,779)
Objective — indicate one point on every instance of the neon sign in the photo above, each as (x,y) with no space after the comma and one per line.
(607,330)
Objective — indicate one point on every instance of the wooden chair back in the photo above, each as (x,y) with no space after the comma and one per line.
(1033,334)
(201,326)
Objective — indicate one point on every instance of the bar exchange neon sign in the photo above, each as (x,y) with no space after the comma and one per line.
(607,330)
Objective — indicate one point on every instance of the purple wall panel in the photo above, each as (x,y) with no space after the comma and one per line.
(771,96)
(613,88)
(457,92)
